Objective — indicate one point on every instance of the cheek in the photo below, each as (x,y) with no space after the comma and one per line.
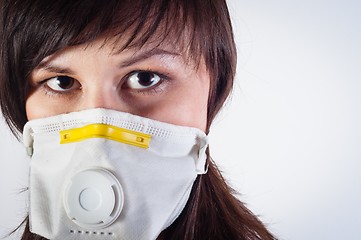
(187,106)
(33,109)
(39,106)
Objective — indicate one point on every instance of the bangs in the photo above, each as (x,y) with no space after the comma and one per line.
(126,24)
(133,25)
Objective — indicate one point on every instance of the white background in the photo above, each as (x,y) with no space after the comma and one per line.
(290,138)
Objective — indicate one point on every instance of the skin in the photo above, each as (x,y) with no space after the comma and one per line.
(95,76)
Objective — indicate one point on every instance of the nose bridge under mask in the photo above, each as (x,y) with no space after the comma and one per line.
(114,175)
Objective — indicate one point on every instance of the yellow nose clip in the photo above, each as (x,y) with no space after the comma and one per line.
(105,131)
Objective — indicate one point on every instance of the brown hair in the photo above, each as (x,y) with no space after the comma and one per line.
(32,30)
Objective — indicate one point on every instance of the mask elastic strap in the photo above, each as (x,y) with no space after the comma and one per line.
(201,162)
(28,140)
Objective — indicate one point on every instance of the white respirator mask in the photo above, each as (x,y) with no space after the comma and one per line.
(103,174)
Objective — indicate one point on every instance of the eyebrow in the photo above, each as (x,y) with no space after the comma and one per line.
(137,57)
(47,66)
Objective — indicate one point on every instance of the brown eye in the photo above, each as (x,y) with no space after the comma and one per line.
(62,83)
(142,80)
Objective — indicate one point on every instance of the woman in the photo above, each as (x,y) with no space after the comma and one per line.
(169,61)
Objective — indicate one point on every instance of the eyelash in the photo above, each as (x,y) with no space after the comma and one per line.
(50,92)
(164,78)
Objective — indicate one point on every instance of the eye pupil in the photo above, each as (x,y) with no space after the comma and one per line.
(64,82)
(145,78)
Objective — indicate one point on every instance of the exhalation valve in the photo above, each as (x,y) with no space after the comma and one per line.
(94,198)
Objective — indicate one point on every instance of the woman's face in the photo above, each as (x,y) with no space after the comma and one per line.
(156,83)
